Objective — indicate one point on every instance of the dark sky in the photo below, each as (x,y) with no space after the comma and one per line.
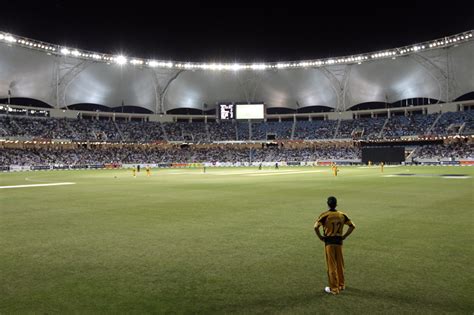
(200,32)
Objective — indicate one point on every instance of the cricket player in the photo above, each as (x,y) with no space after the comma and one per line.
(333,222)
(381,166)
(335,170)
(134,172)
(148,171)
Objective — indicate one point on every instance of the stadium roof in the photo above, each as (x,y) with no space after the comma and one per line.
(81,66)
(49,48)
(233,33)
(442,72)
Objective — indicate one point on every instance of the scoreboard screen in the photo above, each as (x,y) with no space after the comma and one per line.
(250,111)
(226,111)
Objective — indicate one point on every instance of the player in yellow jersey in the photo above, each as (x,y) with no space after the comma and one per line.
(370,163)
(335,170)
(134,172)
(381,166)
(148,171)
(333,222)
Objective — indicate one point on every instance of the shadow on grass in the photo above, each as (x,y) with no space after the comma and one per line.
(285,304)
(271,306)
(414,301)
(393,302)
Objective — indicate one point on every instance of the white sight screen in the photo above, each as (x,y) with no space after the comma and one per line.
(253,111)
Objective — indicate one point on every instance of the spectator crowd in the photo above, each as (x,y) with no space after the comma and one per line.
(200,132)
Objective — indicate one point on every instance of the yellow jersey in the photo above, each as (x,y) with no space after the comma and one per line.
(333,222)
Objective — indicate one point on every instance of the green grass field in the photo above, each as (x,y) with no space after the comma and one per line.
(235,241)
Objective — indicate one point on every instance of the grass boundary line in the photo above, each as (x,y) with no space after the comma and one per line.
(37,185)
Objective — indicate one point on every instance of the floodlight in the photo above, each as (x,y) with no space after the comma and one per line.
(121,60)
(235,67)
(10,39)
(257,66)
(153,63)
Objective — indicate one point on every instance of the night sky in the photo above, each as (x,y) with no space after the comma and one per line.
(206,33)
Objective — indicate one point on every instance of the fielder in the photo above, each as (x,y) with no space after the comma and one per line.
(333,222)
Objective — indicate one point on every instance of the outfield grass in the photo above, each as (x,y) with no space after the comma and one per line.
(234,241)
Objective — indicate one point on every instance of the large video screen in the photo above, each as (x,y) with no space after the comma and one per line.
(226,111)
(250,111)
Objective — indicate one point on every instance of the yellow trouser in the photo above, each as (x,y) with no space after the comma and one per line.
(335,266)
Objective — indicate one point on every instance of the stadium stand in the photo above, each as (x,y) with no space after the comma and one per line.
(362,128)
(450,123)
(120,131)
(222,131)
(398,126)
(316,129)
(457,150)
(137,131)
(280,130)
(138,154)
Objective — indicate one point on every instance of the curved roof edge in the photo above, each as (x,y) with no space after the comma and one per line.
(141,62)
